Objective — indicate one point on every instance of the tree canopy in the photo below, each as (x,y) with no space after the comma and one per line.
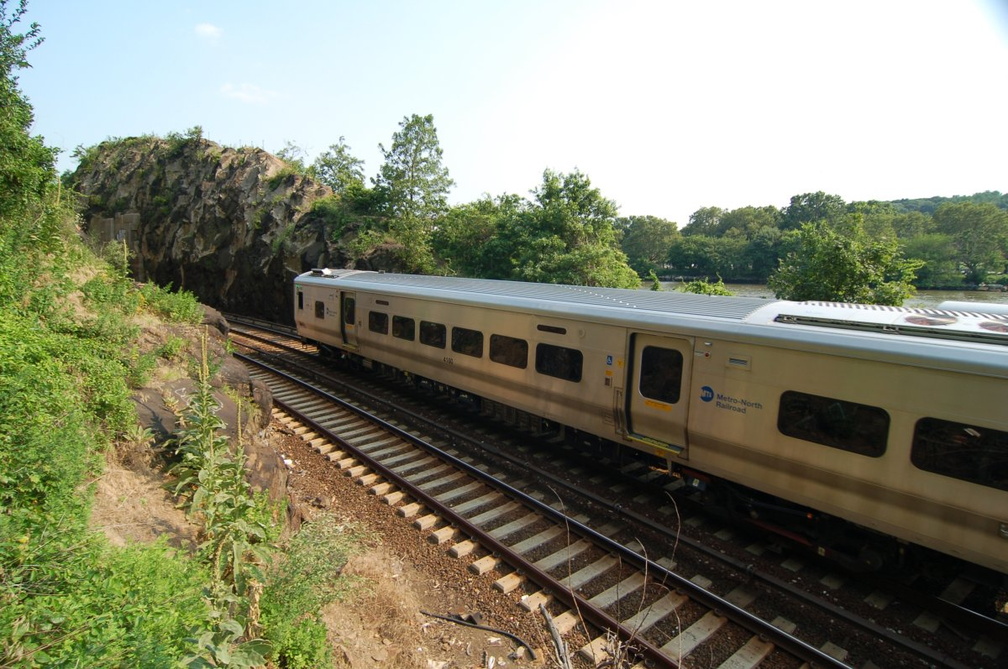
(646,241)
(413,182)
(339,169)
(566,234)
(30,225)
(412,188)
(830,266)
(27,166)
(979,235)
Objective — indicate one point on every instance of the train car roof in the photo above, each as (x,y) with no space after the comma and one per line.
(807,323)
(519,293)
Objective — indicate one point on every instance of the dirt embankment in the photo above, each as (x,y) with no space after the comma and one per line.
(397,577)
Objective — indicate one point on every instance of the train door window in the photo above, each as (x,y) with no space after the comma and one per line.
(509,351)
(960,451)
(559,361)
(378,322)
(858,428)
(467,342)
(403,328)
(433,334)
(661,374)
(300,300)
(319,309)
(349,310)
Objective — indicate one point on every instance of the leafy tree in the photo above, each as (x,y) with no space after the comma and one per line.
(566,234)
(811,208)
(294,155)
(466,242)
(979,235)
(30,224)
(339,169)
(412,181)
(993,197)
(702,256)
(646,241)
(831,266)
(936,252)
(704,221)
(413,186)
(872,208)
(763,252)
(910,224)
(876,217)
(746,222)
(26,164)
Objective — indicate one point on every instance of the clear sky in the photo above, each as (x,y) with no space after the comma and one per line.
(667,106)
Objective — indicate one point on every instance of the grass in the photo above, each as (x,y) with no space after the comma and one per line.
(69,361)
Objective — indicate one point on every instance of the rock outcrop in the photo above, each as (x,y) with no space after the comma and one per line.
(232,226)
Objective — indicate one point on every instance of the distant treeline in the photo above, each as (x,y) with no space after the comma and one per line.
(928,205)
(959,241)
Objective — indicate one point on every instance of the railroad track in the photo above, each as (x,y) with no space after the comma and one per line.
(586,569)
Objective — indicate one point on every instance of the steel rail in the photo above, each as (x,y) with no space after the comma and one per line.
(753,624)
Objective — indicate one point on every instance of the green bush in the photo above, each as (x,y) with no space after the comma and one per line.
(71,600)
(705,287)
(45,449)
(305,645)
(299,586)
(172,349)
(175,307)
(66,598)
(142,366)
(156,595)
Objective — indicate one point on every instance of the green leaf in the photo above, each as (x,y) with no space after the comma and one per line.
(251,653)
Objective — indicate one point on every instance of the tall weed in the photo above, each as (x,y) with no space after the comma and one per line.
(211,480)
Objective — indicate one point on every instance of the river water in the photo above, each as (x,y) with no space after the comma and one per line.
(923,298)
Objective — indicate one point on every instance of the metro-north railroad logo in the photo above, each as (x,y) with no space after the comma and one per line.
(737,404)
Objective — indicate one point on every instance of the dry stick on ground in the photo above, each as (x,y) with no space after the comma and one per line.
(563,656)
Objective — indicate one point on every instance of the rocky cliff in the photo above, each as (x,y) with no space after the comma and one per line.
(232,226)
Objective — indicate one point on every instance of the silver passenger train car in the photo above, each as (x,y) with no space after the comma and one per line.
(804,417)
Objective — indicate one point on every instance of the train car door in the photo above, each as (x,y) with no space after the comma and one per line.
(657,395)
(348,318)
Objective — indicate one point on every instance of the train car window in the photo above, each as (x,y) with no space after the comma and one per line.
(433,334)
(858,428)
(403,328)
(319,309)
(960,451)
(467,342)
(349,309)
(377,322)
(661,374)
(509,351)
(300,300)
(559,361)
